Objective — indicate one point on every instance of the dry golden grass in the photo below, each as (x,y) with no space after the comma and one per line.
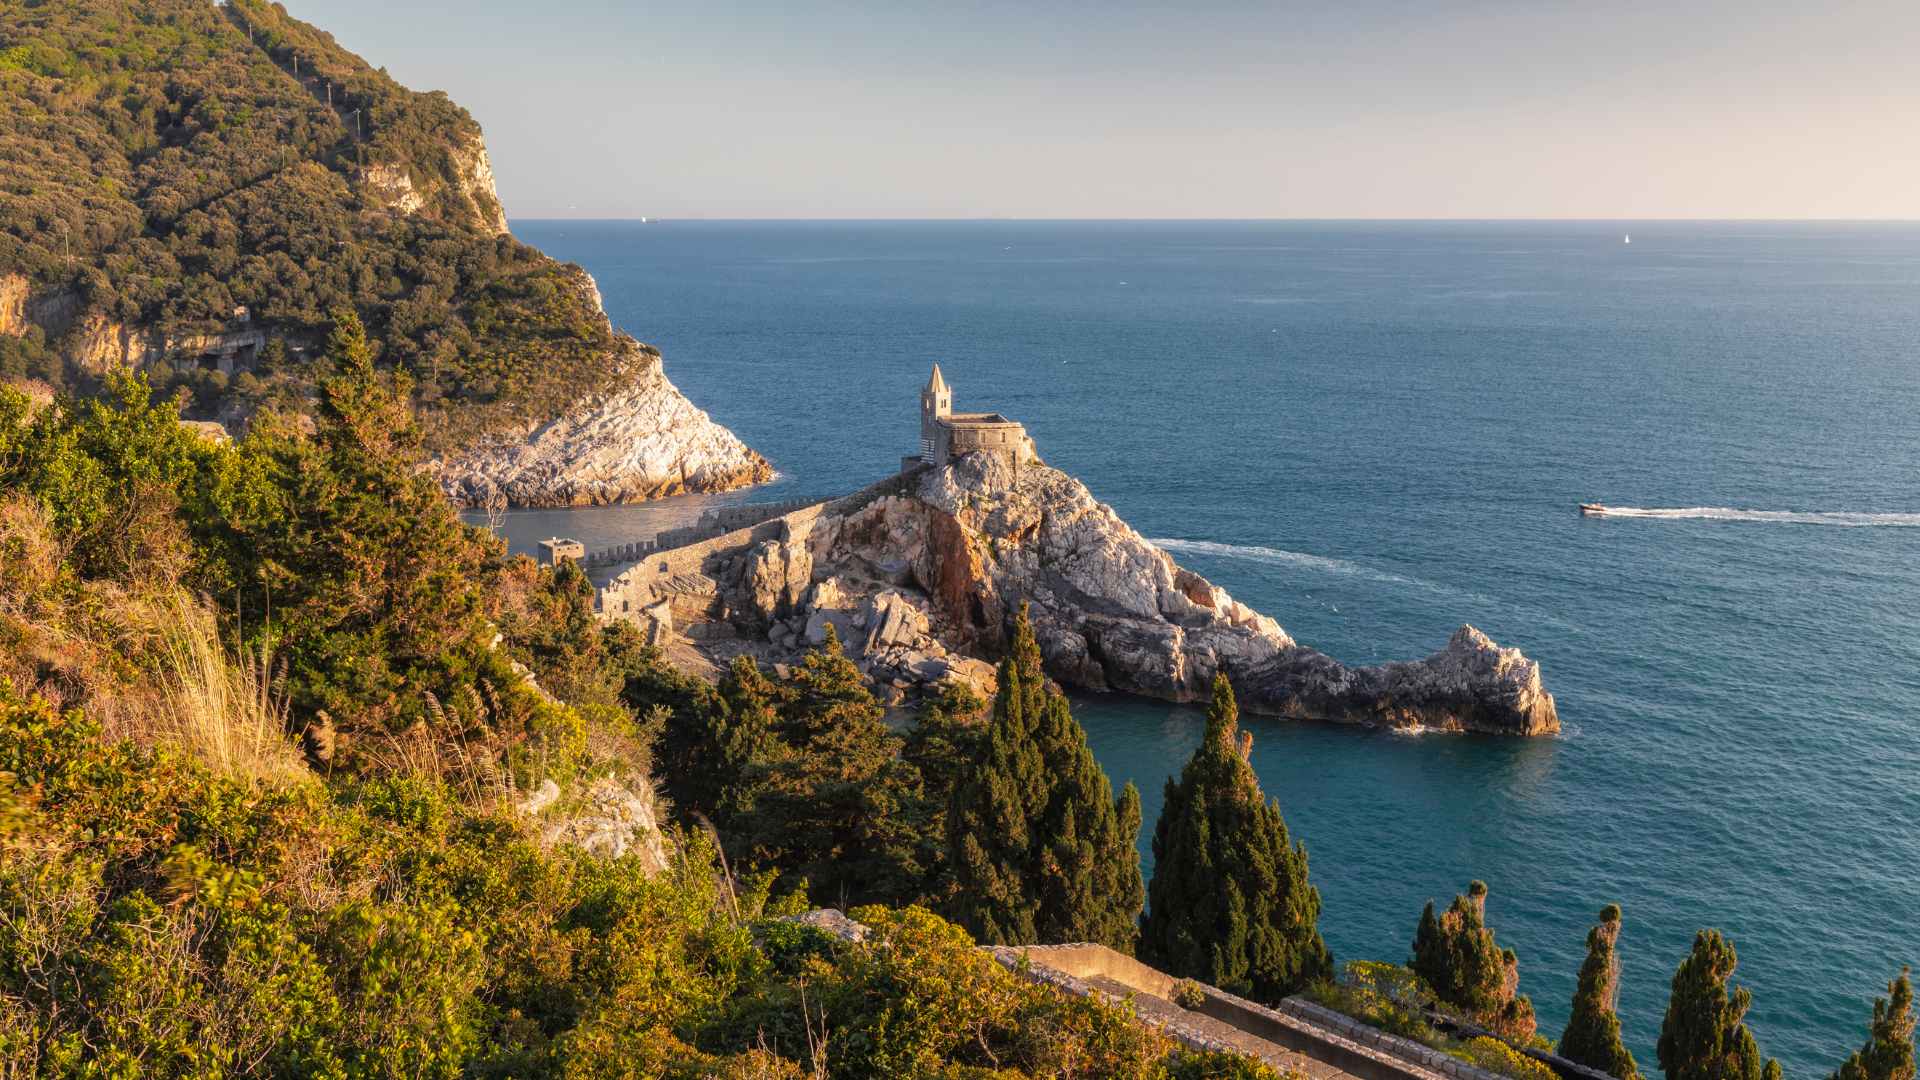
(142,655)
(219,709)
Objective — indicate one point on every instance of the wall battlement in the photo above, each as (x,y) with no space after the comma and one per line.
(715,522)
(641,582)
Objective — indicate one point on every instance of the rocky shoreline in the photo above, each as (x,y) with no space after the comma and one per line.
(921,576)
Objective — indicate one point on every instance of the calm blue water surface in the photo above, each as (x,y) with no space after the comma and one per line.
(1375,432)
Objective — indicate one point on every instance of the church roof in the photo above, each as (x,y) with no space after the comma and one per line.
(975,419)
(936,384)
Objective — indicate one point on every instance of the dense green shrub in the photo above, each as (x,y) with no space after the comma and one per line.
(1496,1056)
(1888,1053)
(1396,1000)
(1704,1035)
(1456,955)
(802,776)
(1387,996)
(392,928)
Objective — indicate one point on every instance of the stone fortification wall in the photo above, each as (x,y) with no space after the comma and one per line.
(632,589)
(725,519)
(713,523)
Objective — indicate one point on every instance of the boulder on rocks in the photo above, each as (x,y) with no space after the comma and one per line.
(776,577)
(615,817)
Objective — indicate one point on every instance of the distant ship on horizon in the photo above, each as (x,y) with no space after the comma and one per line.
(1626,238)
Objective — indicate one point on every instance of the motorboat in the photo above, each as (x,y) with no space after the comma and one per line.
(1593,508)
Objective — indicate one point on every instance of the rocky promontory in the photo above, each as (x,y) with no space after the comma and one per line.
(921,576)
(642,439)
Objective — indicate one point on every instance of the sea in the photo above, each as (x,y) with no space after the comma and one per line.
(1375,432)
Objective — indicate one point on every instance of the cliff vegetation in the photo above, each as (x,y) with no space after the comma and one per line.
(166,162)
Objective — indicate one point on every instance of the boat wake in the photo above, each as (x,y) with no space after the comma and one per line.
(1323,564)
(1775,517)
(1282,557)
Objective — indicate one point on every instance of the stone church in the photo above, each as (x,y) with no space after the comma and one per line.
(945,434)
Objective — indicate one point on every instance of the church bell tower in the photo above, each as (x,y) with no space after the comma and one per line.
(936,404)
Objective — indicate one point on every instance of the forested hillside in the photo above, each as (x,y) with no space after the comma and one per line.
(302,777)
(165,162)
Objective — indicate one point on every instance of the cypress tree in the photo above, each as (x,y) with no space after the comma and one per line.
(1704,1036)
(1230,903)
(1592,1036)
(834,802)
(1456,955)
(1888,1054)
(1040,849)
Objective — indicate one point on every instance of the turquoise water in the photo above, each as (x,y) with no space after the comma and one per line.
(1374,432)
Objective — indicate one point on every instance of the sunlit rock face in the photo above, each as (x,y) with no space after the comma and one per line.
(919,582)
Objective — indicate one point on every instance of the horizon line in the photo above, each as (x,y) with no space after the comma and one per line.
(652,220)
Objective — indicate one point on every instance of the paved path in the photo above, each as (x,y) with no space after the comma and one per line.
(1155,1008)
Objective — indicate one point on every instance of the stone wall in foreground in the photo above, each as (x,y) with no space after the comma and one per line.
(1297,1027)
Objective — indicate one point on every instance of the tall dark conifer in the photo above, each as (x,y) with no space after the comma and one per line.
(741,740)
(372,575)
(834,802)
(1705,1036)
(1456,955)
(1230,903)
(1888,1054)
(1041,851)
(1592,1036)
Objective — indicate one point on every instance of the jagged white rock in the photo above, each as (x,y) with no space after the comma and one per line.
(640,440)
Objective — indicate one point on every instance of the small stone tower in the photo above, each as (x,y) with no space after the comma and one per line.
(936,404)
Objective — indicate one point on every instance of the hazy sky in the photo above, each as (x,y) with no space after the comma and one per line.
(1341,108)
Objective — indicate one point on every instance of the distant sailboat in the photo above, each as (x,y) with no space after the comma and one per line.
(1626,239)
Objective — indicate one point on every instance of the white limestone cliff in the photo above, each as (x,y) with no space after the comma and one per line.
(642,439)
(639,439)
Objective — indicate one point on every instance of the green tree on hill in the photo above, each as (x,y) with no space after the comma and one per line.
(371,575)
(1704,1036)
(1230,902)
(836,803)
(745,736)
(1040,849)
(1888,1054)
(1457,957)
(1592,1036)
